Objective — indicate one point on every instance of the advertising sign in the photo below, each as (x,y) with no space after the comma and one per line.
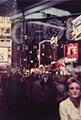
(5,26)
(77,21)
(71,50)
(3,54)
(77,31)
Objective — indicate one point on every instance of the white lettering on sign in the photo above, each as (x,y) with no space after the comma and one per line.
(70,60)
(72,50)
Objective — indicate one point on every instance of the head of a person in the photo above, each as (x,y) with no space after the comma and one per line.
(74,87)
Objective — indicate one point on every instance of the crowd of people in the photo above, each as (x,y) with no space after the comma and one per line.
(34,96)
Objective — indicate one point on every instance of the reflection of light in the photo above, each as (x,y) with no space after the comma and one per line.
(24,59)
(26,47)
(30,52)
(34,15)
(43,54)
(56,12)
(25,37)
(18,47)
(31,61)
(47,24)
(50,56)
(34,47)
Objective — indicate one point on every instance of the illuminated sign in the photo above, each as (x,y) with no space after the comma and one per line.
(71,50)
(5,26)
(77,21)
(67,60)
(77,31)
(3,54)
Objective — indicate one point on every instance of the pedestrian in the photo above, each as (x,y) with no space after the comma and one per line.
(70,108)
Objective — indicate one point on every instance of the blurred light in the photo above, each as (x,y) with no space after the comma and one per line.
(31,61)
(18,47)
(43,54)
(55,11)
(30,52)
(35,15)
(24,59)
(25,37)
(35,47)
(26,47)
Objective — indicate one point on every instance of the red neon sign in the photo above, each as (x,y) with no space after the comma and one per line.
(71,50)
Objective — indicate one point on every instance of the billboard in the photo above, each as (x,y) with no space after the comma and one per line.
(5,52)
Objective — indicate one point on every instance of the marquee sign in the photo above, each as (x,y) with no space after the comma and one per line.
(71,50)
